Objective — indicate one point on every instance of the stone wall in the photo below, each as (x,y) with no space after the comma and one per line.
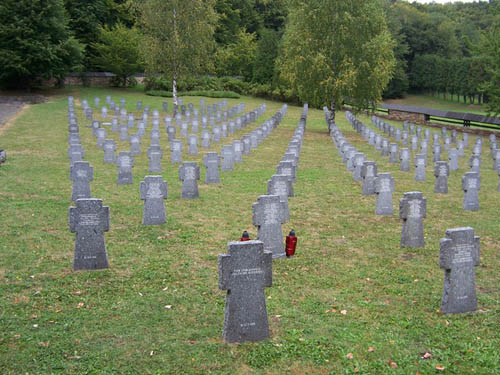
(416,118)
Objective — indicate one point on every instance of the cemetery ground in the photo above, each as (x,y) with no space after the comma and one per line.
(350,301)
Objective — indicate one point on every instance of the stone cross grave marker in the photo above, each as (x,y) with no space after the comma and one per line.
(471,184)
(155,137)
(212,162)
(453,158)
(237,151)
(280,185)
(247,145)
(153,190)
(412,210)
(244,272)
(205,138)
(75,153)
(393,153)
(405,160)
(227,154)
(420,164)
(135,144)
(268,215)
(458,255)
(359,159)
(216,134)
(109,151)
(176,151)
(441,172)
(384,188)
(123,133)
(189,174)
(193,144)
(368,174)
(125,162)
(287,168)
(89,220)
(81,174)
(101,137)
(155,153)
(475,163)
(436,152)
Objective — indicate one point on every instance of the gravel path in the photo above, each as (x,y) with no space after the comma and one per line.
(7,110)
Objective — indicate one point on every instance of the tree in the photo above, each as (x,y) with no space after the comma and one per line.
(178,37)
(267,52)
(118,52)
(36,42)
(490,50)
(337,49)
(237,58)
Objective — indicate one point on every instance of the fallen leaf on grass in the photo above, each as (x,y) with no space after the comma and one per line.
(349,356)
(343,312)
(439,367)
(393,364)
(168,307)
(80,305)
(426,355)
(44,344)
(371,349)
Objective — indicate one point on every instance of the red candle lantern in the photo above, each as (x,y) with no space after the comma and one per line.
(245,236)
(291,244)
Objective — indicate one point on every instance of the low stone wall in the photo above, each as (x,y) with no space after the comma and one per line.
(416,118)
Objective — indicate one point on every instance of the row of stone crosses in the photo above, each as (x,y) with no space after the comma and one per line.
(90,251)
(420,159)
(459,250)
(247,267)
(471,181)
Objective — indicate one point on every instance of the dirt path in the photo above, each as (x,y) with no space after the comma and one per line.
(9,113)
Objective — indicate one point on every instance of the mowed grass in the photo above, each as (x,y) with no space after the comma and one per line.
(435,102)
(350,289)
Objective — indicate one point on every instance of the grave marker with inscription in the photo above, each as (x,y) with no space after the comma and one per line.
(89,220)
(81,173)
(269,213)
(471,184)
(412,210)
(211,160)
(189,174)
(153,191)
(384,187)
(458,255)
(280,185)
(441,172)
(420,165)
(244,272)
(109,151)
(368,174)
(125,162)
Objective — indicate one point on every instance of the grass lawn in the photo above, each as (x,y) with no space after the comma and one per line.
(428,101)
(351,301)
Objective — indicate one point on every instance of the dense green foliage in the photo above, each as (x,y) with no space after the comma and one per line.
(177,37)
(35,42)
(336,50)
(118,52)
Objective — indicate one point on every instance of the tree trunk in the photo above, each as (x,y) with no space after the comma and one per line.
(174,89)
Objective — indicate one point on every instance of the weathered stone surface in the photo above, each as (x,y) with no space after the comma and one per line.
(125,162)
(153,190)
(287,168)
(368,175)
(420,165)
(244,272)
(441,172)
(193,144)
(475,163)
(176,151)
(81,173)
(412,210)
(227,154)
(280,185)
(359,159)
(189,174)
(268,215)
(458,255)
(135,144)
(471,184)
(453,158)
(393,153)
(384,188)
(109,151)
(212,162)
(89,219)
(237,151)
(155,153)
(405,160)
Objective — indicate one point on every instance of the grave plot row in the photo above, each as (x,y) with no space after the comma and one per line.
(459,250)
(246,269)
(453,152)
(470,180)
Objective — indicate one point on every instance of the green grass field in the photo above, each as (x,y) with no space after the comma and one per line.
(351,301)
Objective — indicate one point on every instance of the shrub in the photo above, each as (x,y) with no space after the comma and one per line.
(206,93)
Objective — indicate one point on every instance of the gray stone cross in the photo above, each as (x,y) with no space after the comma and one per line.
(89,220)
(412,210)
(81,173)
(471,184)
(268,215)
(441,172)
(212,162)
(153,191)
(189,174)
(125,162)
(384,187)
(244,272)
(458,255)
